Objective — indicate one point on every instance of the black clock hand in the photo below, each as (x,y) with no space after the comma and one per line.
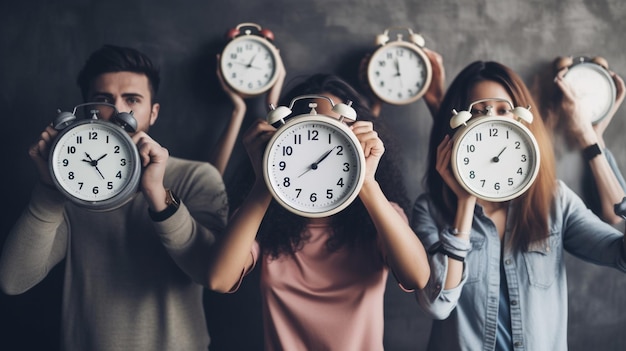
(101,157)
(315,164)
(94,163)
(497,158)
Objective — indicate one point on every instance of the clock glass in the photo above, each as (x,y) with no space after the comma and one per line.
(399,73)
(313,165)
(594,88)
(248,64)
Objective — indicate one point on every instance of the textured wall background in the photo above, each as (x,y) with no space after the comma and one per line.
(44,43)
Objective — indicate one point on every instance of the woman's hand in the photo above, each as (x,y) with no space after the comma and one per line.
(255,140)
(373,147)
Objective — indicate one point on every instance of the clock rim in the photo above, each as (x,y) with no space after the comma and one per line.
(275,53)
(488,119)
(594,67)
(418,51)
(125,195)
(322,119)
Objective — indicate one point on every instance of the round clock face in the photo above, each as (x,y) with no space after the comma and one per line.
(399,73)
(248,64)
(95,164)
(495,158)
(314,165)
(594,86)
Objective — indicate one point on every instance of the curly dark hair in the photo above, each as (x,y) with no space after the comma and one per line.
(281,231)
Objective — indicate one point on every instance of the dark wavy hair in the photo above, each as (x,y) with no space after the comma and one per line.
(281,231)
(111,58)
(533,207)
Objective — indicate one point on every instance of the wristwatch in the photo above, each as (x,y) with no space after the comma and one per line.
(172,202)
(620,208)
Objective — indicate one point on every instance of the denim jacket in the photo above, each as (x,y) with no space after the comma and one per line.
(466,316)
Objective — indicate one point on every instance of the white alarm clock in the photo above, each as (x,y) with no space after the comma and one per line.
(495,158)
(248,62)
(399,72)
(591,83)
(313,165)
(94,162)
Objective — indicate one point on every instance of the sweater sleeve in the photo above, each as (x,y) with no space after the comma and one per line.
(35,243)
(189,233)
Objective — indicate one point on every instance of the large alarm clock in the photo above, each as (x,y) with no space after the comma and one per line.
(313,165)
(399,72)
(591,83)
(93,161)
(248,62)
(494,158)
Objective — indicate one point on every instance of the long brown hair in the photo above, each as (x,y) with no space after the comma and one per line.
(532,209)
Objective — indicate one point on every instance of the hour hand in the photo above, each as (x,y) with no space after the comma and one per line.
(315,164)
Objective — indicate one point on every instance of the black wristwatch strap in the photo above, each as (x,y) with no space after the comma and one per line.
(591,151)
(172,202)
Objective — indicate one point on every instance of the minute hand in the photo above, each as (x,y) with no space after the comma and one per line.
(316,163)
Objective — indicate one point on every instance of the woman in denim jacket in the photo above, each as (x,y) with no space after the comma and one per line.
(497,268)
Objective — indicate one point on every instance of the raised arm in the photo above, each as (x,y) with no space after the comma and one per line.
(405,253)
(590,137)
(231,256)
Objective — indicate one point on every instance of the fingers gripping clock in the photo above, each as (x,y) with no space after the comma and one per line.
(93,161)
(313,165)
(495,158)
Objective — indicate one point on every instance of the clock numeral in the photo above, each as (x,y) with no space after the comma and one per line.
(93,135)
(472,175)
(286,182)
(116,149)
(329,193)
(482,183)
(466,161)
(510,181)
(123,162)
(109,185)
(70,175)
(80,185)
(517,145)
(287,150)
(519,171)
(346,167)
(340,182)
(65,162)
(339,150)
(282,165)
(471,148)
(312,134)
(298,191)
(524,158)
(329,138)
(95,190)
(496,186)
(297,139)
(507,134)
(118,175)
(79,139)
(107,139)
(493,132)
(71,149)
(479,136)
(313,197)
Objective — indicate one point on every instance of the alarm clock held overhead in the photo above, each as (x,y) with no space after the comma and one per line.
(248,62)
(398,71)
(494,157)
(93,160)
(591,83)
(313,165)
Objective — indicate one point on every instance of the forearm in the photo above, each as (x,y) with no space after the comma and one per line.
(609,189)
(463,225)
(222,151)
(405,252)
(231,255)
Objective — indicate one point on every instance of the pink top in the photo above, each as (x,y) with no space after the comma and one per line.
(321,300)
